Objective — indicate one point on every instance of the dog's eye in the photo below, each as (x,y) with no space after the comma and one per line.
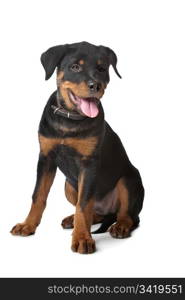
(76,68)
(101,68)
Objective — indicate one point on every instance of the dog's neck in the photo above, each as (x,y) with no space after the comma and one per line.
(61,110)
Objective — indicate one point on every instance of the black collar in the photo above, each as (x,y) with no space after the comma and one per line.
(61,111)
(65,113)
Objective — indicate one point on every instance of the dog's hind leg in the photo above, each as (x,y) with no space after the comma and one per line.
(72,197)
(68,222)
(130,197)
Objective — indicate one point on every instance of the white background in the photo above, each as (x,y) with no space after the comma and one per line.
(146,109)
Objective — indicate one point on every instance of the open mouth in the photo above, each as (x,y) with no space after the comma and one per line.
(88,106)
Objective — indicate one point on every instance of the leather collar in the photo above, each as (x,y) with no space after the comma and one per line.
(61,111)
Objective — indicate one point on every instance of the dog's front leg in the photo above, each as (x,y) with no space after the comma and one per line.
(46,171)
(82,241)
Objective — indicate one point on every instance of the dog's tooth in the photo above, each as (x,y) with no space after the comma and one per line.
(72,97)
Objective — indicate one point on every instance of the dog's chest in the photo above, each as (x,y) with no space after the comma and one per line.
(70,152)
(82,146)
(67,162)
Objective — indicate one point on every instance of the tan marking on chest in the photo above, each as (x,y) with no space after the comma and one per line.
(84,146)
(47,144)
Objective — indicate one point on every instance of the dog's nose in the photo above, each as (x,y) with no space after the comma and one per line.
(94,86)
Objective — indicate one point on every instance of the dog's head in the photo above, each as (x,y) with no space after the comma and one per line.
(82,74)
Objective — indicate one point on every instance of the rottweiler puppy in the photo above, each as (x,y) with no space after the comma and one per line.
(101,182)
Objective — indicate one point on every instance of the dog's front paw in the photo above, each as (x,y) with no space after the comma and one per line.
(120,230)
(83,245)
(23,229)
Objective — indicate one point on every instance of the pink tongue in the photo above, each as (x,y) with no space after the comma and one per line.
(89,108)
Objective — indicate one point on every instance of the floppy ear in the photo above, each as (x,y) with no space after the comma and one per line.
(113,60)
(51,58)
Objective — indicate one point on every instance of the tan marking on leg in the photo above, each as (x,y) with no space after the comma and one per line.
(83,219)
(34,217)
(80,186)
(71,193)
(123,200)
(81,62)
(124,224)
(40,198)
(82,241)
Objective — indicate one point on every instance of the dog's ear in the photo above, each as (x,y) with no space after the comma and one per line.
(113,60)
(51,58)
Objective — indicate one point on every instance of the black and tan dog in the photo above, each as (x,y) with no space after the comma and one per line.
(73,135)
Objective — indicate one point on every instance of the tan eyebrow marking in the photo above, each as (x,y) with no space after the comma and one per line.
(81,62)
